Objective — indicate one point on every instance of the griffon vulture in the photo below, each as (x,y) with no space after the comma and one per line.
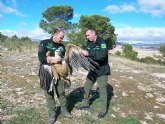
(73,59)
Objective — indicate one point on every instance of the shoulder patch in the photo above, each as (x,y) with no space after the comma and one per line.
(103,46)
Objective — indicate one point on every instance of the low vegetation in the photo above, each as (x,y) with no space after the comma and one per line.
(128,52)
(135,92)
(16,44)
(162,50)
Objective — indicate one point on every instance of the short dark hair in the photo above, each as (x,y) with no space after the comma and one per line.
(57,30)
(92,30)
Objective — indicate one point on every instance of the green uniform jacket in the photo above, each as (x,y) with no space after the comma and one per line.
(49,45)
(45,73)
(98,52)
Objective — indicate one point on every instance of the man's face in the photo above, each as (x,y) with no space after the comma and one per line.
(90,36)
(58,37)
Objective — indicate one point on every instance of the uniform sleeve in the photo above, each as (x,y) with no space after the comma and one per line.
(99,55)
(63,52)
(42,52)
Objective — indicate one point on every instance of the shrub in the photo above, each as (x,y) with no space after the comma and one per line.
(148,59)
(17,44)
(151,60)
(129,52)
(118,53)
(162,50)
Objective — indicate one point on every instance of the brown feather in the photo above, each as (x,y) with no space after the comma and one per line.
(73,59)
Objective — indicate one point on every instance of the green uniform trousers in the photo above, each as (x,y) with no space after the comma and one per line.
(102,84)
(50,101)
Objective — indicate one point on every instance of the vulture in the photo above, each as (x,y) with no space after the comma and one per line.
(73,59)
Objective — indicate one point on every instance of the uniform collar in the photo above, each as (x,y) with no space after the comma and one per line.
(93,44)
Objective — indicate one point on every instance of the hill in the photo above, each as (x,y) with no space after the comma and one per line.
(142,51)
(136,93)
(153,46)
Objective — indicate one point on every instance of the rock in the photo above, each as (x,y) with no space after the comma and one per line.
(112,115)
(143,122)
(124,94)
(160,99)
(156,107)
(146,89)
(149,95)
(18,89)
(148,117)
(160,75)
(161,116)
(160,85)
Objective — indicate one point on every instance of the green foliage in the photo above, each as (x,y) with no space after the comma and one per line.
(23,116)
(118,53)
(59,16)
(77,37)
(162,50)
(148,59)
(27,116)
(56,16)
(18,44)
(151,60)
(102,25)
(2,37)
(128,121)
(129,52)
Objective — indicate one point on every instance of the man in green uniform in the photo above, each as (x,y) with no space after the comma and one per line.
(96,50)
(46,77)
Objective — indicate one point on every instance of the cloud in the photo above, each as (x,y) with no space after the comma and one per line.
(9,10)
(120,9)
(37,33)
(154,7)
(13,1)
(126,34)
(1,17)
(141,35)
(76,15)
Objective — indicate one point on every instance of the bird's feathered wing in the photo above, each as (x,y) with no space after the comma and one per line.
(73,59)
(76,59)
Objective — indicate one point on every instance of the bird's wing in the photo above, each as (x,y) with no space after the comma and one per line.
(77,60)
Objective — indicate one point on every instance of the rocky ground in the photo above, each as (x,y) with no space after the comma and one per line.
(136,91)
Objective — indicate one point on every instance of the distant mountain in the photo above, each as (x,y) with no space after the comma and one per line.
(154,46)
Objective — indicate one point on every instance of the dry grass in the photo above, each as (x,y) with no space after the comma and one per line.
(138,93)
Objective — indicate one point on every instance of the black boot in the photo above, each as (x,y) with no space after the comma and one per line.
(65,113)
(82,107)
(52,118)
(101,115)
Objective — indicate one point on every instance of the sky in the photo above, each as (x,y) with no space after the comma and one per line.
(135,21)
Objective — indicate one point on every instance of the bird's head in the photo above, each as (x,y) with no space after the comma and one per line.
(57,54)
